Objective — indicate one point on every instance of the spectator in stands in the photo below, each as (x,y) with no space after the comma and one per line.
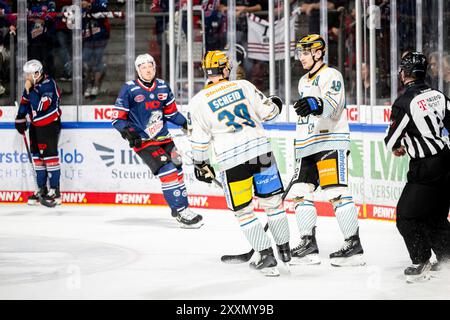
(95,39)
(4,54)
(433,70)
(406,11)
(382,91)
(215,25)
(312,9)
(447,75)
(257,71)
(41,32)
(243,7)
(159,6)
(64,40)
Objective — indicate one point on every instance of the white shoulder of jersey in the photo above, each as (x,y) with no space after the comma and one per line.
(196,101)
(328,74)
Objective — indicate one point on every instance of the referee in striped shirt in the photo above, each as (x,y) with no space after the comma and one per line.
(417,124)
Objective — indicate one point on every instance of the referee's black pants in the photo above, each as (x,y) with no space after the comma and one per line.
(423,208)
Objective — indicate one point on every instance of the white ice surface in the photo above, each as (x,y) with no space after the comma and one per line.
(118,252)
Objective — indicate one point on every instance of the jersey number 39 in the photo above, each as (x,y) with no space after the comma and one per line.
(239,111)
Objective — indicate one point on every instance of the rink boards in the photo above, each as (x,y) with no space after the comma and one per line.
(97,166)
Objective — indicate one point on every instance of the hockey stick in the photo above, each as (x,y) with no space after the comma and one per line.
(245,257)
(183,154)
(50,204)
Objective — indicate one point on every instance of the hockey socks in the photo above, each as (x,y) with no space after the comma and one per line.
(53,170)
(41,172)
(174,192)
(278,225)
(253,230)
(306,216)
(347,216)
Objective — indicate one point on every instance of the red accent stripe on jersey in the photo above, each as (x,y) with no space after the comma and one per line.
(46,121)
(24,101)
(46,102)
(145,87)
(146,144)
(171,108)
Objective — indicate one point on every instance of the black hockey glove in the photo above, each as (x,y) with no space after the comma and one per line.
(184,128)
(204,172)
(309,105)
(21,124)
(132,136)
(277,100)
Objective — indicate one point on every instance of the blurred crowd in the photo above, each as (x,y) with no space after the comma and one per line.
(50,39)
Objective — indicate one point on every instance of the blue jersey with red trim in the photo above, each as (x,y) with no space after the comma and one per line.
(41,103)
(147,110)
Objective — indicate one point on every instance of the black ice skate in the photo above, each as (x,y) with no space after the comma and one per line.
(34,198)
(418,272)
(284,252)
(266,264)
(189,219)
(53,195)
(351,253)
(307,251)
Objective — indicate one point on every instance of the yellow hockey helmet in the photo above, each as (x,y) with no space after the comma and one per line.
(214,62)
(308,43)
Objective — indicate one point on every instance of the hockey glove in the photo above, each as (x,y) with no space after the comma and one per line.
(309,105)
(21,125)
(184,128)
(277,100)
(132,136)
(204,172)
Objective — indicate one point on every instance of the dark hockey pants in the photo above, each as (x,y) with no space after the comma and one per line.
(423,208)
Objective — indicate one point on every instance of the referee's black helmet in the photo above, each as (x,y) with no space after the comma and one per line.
(414,64)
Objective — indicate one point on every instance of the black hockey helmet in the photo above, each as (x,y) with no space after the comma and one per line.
(414,64)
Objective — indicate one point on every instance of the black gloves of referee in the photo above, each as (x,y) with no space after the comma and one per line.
(204,171)
(309,105)
(132,136)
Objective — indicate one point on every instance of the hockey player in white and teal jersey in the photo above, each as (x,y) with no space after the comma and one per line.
(227,116)
(322,147)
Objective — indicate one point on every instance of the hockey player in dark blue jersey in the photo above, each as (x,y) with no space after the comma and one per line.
(40,101)
(140,115)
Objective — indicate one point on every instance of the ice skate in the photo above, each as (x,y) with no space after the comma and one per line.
(351,253)
(418,272)
(53,195)
(439,266)
(284,252)
(34,198)
(266,263)
(307,252)
(189,219)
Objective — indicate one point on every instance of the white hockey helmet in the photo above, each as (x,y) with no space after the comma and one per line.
(32,67)
(143,58)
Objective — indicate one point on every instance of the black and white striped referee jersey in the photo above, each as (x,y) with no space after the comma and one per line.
(417,121)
